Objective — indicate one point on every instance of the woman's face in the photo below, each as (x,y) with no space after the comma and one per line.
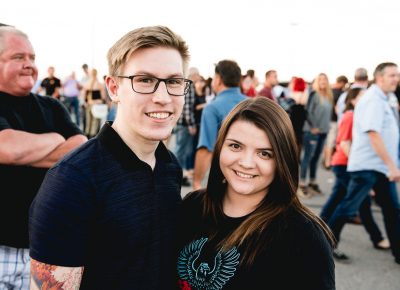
(323,82)
(247,161)
(199,85)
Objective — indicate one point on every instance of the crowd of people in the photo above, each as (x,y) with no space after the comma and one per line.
(86,100)
(97,202)
(316,110)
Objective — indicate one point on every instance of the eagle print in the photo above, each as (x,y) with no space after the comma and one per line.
(201,275)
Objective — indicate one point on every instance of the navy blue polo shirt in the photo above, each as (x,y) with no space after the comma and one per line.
(105,209)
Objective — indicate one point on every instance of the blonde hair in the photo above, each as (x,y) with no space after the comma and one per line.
(323,93)
(145,37)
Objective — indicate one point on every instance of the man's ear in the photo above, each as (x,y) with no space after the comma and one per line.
(112,87)
(217,79)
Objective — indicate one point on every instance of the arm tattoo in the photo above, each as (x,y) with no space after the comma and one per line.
(46,277)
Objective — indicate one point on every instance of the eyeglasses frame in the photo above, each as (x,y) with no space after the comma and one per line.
(159,80)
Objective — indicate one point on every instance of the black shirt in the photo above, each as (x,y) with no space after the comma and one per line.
(296,254)
(19,184)
(50,85)
(105,209)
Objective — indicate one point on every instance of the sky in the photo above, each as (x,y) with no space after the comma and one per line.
(296,38)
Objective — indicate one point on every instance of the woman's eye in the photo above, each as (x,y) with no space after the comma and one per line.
(234,146)
(266,154)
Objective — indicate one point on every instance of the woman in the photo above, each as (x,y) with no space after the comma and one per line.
(94,93)
(316,127)
(339,168)
(298,113)
(248,229)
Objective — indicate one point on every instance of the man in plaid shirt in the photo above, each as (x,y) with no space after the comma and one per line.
(185,131)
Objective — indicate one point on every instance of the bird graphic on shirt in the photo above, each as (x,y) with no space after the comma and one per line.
(203,276)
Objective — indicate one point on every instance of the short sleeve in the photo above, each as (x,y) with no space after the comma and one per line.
(208,128)
(60,217)
(346,127)
(372,115)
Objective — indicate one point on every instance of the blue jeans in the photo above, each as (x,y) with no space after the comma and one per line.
(184,146)
(72,104)
(312,148)
(338,193)
(361,182)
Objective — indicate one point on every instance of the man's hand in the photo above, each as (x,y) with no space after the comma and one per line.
(315,130)
(201,166)
(192,130)
(394,174)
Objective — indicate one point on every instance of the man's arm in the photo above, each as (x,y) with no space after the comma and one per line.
(56,94)
(201,165)
(59,152)
(45,276)
(23,148)
(379,146)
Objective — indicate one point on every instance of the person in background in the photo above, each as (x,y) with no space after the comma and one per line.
(94,92)
(112,106)
(35,133)
(373,159)
(248,84)
(199,103)
(51,84)
(316,128)
(247,229)
(185,130)
(71,91)
(106,217)
(298,112)
(271,80)
(84,79)
(225,84)
(342,177)
(337,89)
(360,81)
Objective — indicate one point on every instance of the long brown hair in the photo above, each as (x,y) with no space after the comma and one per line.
(281,197)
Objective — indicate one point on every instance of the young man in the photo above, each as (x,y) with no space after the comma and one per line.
(35,132)
(51,84)
(105,218)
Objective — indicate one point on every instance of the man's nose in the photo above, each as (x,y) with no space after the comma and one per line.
(161,94)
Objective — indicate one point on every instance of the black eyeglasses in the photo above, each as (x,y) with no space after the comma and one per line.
(144,84)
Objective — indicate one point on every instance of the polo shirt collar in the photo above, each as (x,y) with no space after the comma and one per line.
(379,92)
(110,139)
(229,91)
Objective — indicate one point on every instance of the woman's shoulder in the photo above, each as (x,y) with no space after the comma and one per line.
(298,223)
(193,197)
